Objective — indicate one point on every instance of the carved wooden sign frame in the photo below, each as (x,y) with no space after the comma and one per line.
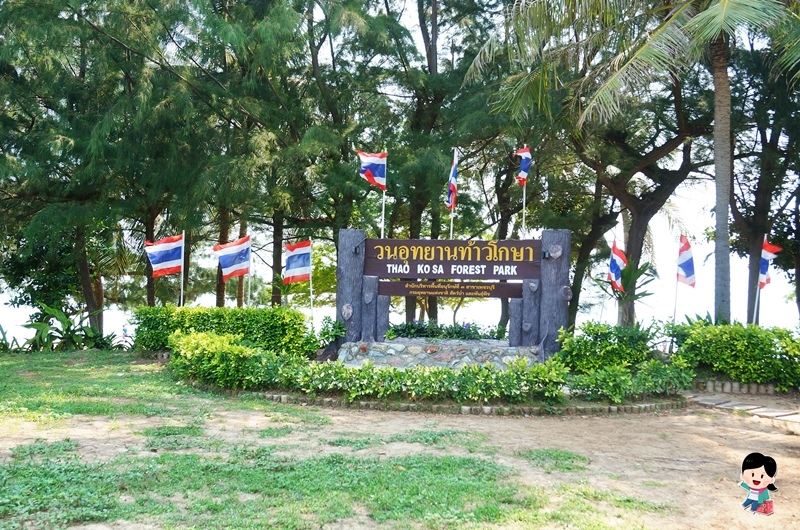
(536,270)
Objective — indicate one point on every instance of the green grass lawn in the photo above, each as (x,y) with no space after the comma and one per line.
(182,475)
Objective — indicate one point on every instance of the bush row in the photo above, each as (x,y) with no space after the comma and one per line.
(596,346)
(279,329)
(618,383)
(223,360)
(433,330)
(747,354)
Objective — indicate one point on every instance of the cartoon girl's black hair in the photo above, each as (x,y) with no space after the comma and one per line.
(756,460)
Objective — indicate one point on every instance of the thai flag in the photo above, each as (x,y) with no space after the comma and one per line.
(524,165)
(298,262)
(618,262)
(165,255)
(234,258)
(373,168)
(452,189)
(768,253)
(685,263)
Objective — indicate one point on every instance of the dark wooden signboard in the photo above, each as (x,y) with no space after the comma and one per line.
(454,289)
(448,259)
(370,271)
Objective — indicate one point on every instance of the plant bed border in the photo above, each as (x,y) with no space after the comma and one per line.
(673,403)
(726,386)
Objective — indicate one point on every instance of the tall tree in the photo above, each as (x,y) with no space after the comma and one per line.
(637,39)
(767,156)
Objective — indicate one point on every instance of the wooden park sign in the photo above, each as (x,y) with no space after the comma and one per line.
(532,274)
(447,259)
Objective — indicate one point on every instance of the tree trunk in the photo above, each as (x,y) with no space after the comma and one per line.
(150,235)
(754,245)
(224,234)
(796,218)
(99,299)
(436,230)
(634,245)
(796,282)
(187,258)
(722,179)
(277,254)
(240,284)
(86,281)
(414,231)
(601,223)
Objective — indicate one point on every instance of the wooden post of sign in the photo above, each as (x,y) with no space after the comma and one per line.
(515,322)
(531,295)
(384,303)
(555,287)
(369,309)
(349,281)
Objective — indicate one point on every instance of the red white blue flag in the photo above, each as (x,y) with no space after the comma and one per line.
(685,262)
(768,253)
(524,165)
(234,258)
(298,262)
(165,255)
(373,168)
(618,262)
(452,189)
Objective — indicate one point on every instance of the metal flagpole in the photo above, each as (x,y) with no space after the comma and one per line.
(758,299)
(524,199)
(250,272)
(675,303)
(758,287)
(383,204)
(524,190)
(452,214)
(674,312)
(311,280)
(183,265)
(453,210)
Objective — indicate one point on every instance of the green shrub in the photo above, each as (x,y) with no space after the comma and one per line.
(223,360)
(477,383)
(602,345)
(613,383)
(434,330)
(680,332)
(276,329)
(213,359)
(618,383)
(5,344)
(330,331)
(654,377)
(431,382)
(58,331)
(747,354)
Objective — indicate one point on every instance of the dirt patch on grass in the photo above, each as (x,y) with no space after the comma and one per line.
(686,461)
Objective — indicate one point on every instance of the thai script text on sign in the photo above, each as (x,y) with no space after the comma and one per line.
(448,259)
(451,289)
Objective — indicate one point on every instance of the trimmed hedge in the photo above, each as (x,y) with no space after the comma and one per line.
(223,360)
(747,354)
(617,383)
(598,346)
(277,329)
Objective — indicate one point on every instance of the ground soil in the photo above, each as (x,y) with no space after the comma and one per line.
(689,459)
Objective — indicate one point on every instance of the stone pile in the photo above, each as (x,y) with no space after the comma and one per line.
(403,353)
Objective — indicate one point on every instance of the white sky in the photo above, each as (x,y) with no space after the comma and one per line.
(778,307)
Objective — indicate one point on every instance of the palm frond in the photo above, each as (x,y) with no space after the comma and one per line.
(729,16)
(660,50)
